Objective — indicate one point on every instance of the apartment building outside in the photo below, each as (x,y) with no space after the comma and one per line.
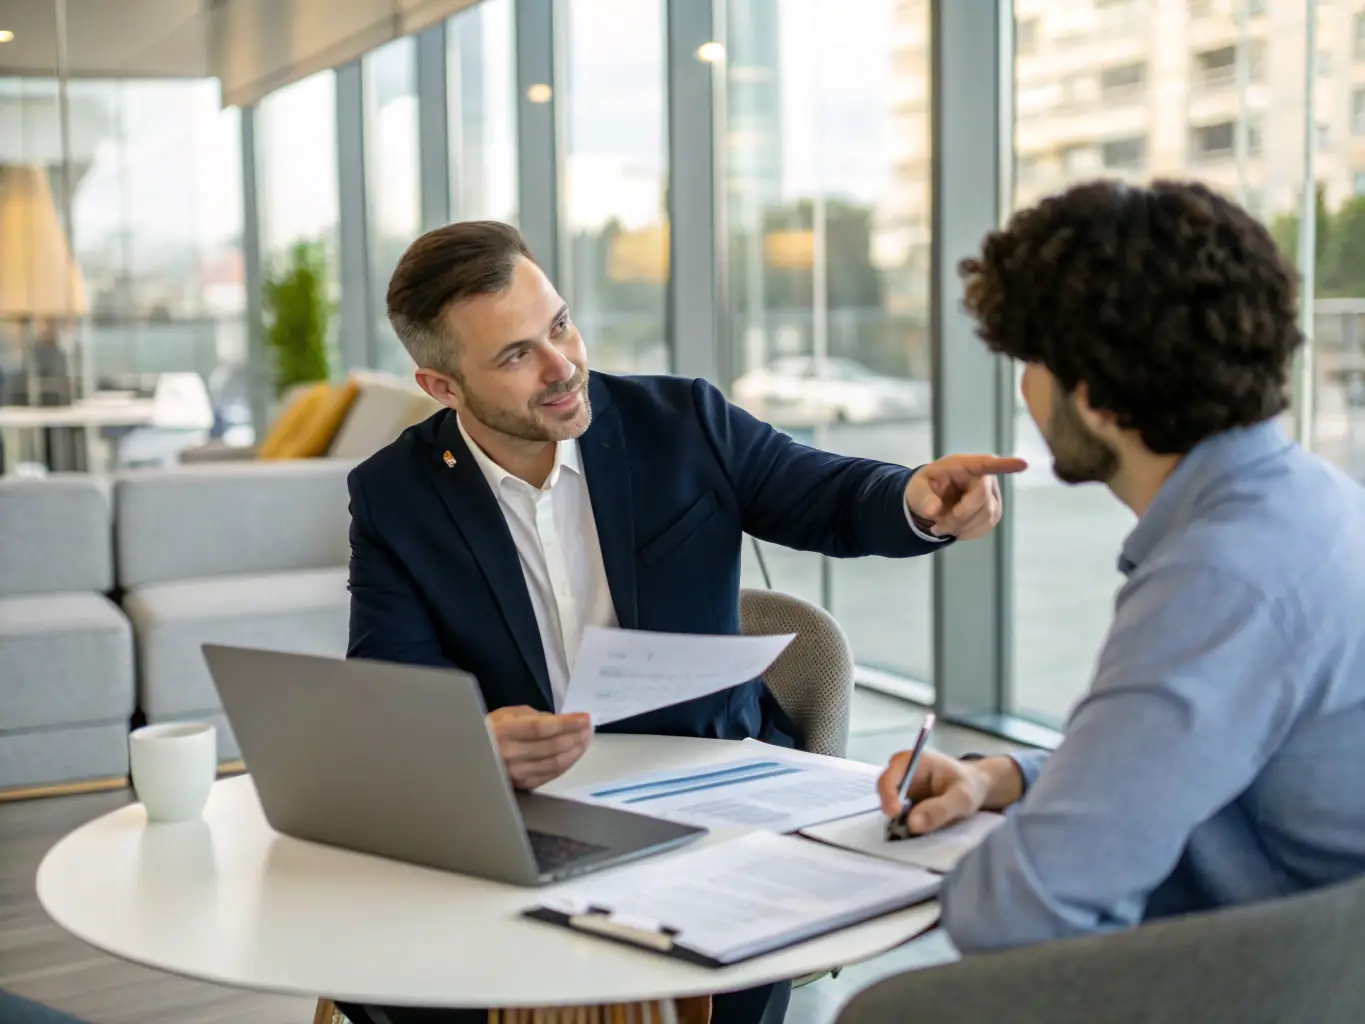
(1138,89)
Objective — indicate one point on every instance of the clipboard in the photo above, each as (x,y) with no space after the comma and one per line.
(601,922)
(665,940)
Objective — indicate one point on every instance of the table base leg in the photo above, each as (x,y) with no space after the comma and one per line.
(693,1010)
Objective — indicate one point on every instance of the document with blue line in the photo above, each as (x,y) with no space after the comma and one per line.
(772,793)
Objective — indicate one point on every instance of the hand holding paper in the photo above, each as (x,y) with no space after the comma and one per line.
(622,673)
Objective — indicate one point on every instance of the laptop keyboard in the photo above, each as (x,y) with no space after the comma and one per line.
(553,852)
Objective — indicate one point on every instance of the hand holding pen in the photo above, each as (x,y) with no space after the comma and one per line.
(922,790)
(898,825)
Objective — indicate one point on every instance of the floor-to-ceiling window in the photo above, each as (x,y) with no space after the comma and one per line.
(144,188)
(296,172)
(393,188)
(1138,90)
(827,208)
(481,109)
(1337,411)
(616,192)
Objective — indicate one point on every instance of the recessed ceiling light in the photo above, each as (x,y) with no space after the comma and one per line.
(5,35)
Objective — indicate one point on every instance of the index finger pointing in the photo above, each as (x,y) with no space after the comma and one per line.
(989,465)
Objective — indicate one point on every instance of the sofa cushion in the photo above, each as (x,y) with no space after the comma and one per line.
(192,522)
(313,434)
(384,407)
(64,659)
(62,753)
(57,534)
(305,611)
(298,407)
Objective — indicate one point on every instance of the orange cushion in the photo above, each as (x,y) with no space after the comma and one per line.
(313,435)
(289,419)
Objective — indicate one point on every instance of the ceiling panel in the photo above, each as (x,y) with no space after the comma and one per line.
(108,38)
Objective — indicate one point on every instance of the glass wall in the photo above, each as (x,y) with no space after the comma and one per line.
(157,215)
(1338,400)
(481,92)
(393,187)
(296,171)
(131,222)
(827,191)
(615,277)
(1137,91)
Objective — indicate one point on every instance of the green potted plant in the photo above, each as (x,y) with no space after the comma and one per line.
(297,312)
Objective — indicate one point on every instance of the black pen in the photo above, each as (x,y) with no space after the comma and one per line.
(898,827)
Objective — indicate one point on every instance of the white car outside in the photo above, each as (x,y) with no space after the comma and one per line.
(790,391)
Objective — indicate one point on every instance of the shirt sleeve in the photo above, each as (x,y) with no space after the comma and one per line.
(1194,690)
(922,535)
(1030,764)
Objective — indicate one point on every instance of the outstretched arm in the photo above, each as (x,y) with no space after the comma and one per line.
(812,500)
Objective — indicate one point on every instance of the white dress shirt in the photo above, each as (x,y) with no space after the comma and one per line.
(555,533)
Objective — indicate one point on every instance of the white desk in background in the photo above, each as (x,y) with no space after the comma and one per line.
(228,900)
(181,402)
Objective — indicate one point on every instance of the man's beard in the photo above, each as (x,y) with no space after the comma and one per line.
(527,424)
(1078,456)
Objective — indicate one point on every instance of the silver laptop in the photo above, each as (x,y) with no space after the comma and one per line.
(396,760)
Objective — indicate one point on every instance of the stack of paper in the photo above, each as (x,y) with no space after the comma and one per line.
(729,901)
(774,793)
(938,851)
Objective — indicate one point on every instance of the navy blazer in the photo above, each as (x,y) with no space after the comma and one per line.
(677,476)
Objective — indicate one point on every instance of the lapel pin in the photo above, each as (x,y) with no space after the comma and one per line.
(449,459)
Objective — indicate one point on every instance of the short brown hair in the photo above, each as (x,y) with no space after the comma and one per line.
(445,265)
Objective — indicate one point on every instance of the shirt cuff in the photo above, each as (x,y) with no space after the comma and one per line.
(1030,764)
(922,534)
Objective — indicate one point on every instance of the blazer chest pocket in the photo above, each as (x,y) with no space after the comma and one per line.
(687,524)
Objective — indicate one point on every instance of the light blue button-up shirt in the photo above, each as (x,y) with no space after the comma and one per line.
(1219,757)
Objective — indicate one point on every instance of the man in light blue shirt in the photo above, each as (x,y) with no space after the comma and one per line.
(1219,755)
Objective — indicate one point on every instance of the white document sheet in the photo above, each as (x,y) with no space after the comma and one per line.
(770,793)
(747,895)
(938,851)
(621,673)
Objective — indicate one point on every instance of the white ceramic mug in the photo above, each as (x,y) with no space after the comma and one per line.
(174,766)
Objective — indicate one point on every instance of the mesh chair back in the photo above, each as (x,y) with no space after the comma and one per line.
(813,677)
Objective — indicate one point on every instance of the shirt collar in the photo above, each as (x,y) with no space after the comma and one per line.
(1199,472)
(566,457)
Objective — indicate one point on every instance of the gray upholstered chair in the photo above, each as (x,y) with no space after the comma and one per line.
(1300,958)
(813,678)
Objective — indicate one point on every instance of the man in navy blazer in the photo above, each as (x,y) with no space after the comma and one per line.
(546,498)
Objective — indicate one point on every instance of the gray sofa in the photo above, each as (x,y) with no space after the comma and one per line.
(109,588)
(252,553)
(66,650)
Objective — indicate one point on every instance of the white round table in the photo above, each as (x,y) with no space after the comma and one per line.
(229,900)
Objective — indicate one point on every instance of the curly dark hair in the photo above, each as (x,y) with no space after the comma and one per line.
(1171,303)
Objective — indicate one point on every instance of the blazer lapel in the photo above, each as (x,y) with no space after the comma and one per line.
(606,463)
(477,515)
